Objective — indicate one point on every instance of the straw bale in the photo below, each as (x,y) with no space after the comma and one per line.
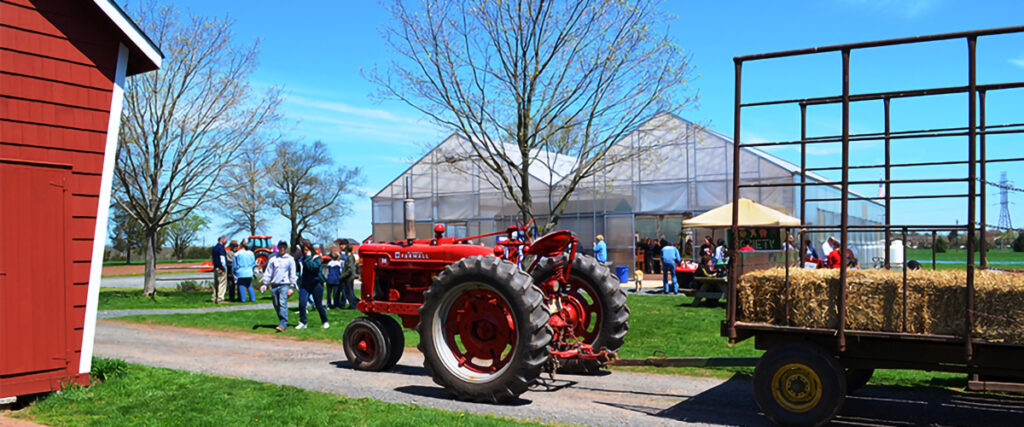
(936,301)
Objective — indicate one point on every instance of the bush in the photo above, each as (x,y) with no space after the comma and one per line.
(192,286)
(941,245)
(194,252)
(105,369)
(1018,243)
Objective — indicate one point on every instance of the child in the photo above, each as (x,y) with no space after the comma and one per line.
(638,278)
(334,280)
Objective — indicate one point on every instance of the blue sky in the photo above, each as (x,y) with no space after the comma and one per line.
(315,49)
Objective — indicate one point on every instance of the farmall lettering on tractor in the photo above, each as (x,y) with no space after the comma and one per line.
(489,325)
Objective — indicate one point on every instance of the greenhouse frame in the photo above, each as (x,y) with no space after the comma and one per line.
(684,170)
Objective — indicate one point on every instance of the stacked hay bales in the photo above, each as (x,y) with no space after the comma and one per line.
(936,301)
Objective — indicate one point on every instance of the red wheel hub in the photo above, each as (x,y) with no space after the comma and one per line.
(581,309)
(366,345)
(480,331)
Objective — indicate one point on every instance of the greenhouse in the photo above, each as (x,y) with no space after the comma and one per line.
(684,170)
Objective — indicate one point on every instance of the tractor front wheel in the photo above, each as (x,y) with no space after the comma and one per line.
(367,344)
(484,330)
(395,337)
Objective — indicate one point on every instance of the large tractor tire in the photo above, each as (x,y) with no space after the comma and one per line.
(597,306)
(484,330)
(261,265)
(367,344)
(395,336)
(799,384)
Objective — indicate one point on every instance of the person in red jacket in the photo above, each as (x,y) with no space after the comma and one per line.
(835,258)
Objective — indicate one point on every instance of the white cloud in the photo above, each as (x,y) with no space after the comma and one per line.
(1018,62)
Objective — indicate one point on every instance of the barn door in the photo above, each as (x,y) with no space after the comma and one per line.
(33,219)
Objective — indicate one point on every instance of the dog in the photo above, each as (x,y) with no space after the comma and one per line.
(638,280)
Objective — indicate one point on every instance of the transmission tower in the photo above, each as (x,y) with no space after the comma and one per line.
(1004,203)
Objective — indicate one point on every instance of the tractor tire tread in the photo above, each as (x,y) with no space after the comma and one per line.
(534,350)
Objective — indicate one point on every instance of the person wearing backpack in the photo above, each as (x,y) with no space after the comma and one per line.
(333,280)
(348,278)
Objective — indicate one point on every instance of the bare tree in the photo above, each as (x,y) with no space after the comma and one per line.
(247,194)
(183,124)
(515,78)
(308,188)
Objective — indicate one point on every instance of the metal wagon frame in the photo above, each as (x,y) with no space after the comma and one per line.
(872,349)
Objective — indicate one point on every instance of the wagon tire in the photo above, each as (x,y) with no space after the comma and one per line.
(857,378)
(395,336)
(598,282)
(496,311)
(367,344)
(799,384)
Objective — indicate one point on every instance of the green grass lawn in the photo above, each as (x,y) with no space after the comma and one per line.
(656,323)
(165,298)
(142,395)
(142,261)
(994,257)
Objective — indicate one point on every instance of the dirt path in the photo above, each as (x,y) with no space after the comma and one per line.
(621,398)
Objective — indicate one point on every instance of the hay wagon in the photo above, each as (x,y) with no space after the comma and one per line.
(825,332)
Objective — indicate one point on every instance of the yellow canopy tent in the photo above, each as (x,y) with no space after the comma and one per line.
(751,215)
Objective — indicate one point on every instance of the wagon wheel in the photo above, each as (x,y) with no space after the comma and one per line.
(484,330)
(857,378)
(799,384)
(367,344)
(595,305)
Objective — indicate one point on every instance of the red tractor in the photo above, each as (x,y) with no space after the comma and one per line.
(488,324)
(263,249)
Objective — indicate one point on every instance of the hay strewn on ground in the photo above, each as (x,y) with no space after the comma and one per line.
(936,301)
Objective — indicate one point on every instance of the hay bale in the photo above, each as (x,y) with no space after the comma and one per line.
(936,301)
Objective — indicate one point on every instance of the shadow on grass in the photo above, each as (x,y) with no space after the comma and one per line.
(439,393)
(255,327)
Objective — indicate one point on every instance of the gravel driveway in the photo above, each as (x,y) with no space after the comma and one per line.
(621,398)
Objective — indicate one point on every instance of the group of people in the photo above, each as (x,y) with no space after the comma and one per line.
(831,254)
(660,256)
(233,267)
(301,269)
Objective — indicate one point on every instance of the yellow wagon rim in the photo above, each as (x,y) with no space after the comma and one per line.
(796,387)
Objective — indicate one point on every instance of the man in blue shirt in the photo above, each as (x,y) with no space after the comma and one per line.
(669,258)
(601,250)
(219,256)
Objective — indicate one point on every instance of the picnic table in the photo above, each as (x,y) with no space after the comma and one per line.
(709,289)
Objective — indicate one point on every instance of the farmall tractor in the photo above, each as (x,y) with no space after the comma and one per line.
(489,325)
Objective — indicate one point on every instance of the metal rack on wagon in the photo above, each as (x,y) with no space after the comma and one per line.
(805,373)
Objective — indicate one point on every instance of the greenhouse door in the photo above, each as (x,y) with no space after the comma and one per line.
(618,236)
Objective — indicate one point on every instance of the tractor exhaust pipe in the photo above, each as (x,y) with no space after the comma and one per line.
(409,209)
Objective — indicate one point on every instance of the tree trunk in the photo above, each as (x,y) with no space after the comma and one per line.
(128,256)
(150,287)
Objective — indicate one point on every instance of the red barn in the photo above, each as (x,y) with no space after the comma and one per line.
(63,65)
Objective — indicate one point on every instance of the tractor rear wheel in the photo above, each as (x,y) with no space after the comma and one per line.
(484,330)
(596,307)
(395,336)
(367,344)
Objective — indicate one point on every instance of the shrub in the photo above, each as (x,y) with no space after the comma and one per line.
(195,252)
(105,369)
(1018,243)
(192,286)
(940,245)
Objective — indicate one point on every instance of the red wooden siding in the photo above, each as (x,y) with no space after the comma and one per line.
(57,61)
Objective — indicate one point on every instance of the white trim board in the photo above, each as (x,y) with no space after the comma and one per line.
(99,237)
(130,30)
